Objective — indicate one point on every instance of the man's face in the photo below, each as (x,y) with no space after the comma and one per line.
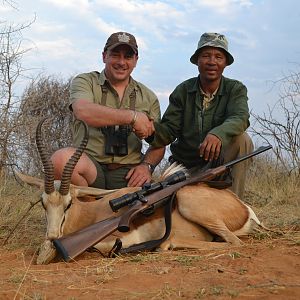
(211,63)
(119,63)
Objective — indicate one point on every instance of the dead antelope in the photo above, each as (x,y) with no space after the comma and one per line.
(200,213)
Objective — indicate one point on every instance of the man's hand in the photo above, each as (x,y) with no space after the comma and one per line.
(210,148)
(143,126)
(138,175)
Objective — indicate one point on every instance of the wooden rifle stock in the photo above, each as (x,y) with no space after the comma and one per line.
(73,244)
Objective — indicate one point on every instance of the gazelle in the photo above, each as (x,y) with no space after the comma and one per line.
(200,213)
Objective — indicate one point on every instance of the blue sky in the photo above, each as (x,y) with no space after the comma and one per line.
(68,36)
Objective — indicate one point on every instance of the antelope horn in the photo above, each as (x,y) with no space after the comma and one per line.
(70,165)
(47,164)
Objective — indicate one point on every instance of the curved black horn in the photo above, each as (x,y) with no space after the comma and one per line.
(69,167)
(47,164)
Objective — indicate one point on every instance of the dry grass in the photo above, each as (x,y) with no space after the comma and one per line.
(15,201)
(273,195)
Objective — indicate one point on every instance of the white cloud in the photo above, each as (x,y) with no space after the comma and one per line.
(163,94)
(104,27)
(48,27)
(156,9)
(154,17)
(5,9)
(247,3)
(56,49)
(71,4)
(217,6)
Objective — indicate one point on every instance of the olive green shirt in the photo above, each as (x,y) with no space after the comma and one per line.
(88,86)
(185,123)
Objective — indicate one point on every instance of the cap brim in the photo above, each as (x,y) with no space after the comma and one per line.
(194,57)
(121,43)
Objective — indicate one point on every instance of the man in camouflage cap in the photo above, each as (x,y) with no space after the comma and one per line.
(120,113)
(215,40)
(208,114)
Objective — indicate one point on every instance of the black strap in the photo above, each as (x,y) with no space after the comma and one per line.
(104,94)
(132,97)
(149,245)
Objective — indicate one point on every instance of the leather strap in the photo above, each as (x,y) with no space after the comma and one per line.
(132,97)
(104,94)
(149,245)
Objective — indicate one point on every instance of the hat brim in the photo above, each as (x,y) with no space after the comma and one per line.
(122,43)
(194,57)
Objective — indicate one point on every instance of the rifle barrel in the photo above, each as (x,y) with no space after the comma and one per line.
(257,151)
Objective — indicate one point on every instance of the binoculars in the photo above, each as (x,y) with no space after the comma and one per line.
(116,139)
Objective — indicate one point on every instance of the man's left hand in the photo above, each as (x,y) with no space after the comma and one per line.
(138,175)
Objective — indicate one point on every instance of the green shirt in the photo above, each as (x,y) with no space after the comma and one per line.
(185,123)
(88,86)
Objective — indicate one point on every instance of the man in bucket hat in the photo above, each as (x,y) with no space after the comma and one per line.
(208,114)
(119,112)
(214,40)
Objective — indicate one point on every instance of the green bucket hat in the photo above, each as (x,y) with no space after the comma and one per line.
(209,39)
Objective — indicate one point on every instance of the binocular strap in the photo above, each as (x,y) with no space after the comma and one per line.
(132,97)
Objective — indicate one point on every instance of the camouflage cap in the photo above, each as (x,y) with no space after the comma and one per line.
(121,38)
(212,40)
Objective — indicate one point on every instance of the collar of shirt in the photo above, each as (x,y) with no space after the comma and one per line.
(195,85)
(132,85)
(207,98)
(103,79)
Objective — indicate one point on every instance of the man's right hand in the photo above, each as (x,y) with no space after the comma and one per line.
(143,126)
(210,148)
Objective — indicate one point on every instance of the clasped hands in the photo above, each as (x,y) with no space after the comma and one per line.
(143,126)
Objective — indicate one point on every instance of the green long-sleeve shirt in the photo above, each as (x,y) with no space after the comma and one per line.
(185,124)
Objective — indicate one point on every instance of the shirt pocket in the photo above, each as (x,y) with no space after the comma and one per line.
(218,119)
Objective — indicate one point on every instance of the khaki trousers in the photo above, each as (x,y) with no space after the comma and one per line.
(239,146)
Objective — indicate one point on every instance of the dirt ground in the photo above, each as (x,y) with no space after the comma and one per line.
(260,269)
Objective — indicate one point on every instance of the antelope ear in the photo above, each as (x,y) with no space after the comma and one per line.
(31,180)
(90,191)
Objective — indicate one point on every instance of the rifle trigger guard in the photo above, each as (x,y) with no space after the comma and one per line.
(149,211)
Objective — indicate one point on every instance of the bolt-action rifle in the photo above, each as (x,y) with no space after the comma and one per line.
(73,244)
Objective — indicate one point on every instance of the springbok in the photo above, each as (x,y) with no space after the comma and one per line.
(200,213)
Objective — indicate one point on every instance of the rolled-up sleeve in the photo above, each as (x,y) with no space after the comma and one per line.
(81,88)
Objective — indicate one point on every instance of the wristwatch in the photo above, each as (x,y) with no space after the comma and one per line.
(150,166)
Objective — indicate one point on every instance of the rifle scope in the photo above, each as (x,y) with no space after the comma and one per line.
(147,189)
